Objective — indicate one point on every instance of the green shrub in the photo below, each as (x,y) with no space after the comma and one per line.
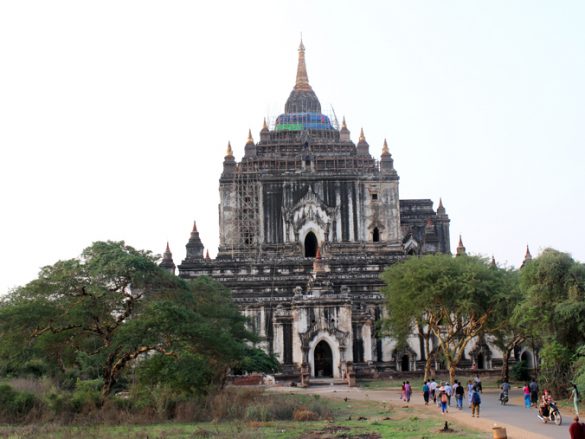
(34,367)
(15,405)
(87,395)
(520,371)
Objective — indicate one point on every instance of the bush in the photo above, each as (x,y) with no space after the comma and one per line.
(87,395)
(555,371)
(304,414)
(14,405)
(520,372)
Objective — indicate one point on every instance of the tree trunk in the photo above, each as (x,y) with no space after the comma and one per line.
(452,373)
(428,360)
(506,365)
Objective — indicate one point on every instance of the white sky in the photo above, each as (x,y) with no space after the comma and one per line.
(115,115)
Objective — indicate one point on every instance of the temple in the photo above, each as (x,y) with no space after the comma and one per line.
(308,222)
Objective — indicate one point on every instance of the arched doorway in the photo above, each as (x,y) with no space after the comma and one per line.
(376,235)
(323,360)
(527,358)
(311,245)
(480,361)
(405,363)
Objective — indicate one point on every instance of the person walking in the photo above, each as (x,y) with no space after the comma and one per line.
(533,393)
(469,392)
(526,392)
(449,392)
(403,391)
(426,392)
(433,389)
(444,399)
(459,393)
(577,429)
(475,402)
(407,391)
(576,397)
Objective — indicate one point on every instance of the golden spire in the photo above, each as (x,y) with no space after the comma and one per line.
(385,150)
(264,125)
(302,83)
(229,152)
(343,124)
(362,137)
(250,138)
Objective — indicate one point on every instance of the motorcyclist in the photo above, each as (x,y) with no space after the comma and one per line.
(545,402)
(505,391)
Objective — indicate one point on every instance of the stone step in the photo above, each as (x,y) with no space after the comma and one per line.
(327,382)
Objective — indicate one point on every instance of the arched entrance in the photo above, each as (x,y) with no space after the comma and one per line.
(480,361)
(527,358)
(323,360)
(376,235)
(405,363)
(311,245)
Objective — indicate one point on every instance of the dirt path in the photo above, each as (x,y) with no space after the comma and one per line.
(520,423)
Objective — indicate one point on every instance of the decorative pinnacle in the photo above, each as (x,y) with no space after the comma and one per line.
(168,249)
(207,255)
(385,150)
(460,242)
(362,137)
(229,152)
(527,256)
(493,263)
(343,124)
(264,125)
(250,138)
(302,83)
(195,224)
(440,204)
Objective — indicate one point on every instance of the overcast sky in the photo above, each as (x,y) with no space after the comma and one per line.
(115,115)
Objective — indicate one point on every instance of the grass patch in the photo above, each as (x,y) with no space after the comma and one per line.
(338,418)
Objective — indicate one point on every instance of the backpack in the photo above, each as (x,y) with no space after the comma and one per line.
(444,397)
(475,398)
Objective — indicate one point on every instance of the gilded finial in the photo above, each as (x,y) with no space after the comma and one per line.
(250,138)
(362,137)
(385,150)
(302,82)
(229,152)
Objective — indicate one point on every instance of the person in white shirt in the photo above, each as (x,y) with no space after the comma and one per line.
(448,391)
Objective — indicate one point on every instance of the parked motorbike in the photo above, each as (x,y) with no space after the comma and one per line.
(504,398)
(553,415)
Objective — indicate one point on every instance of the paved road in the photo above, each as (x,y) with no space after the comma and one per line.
(520,423)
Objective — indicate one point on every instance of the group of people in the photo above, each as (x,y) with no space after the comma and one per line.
(441,394)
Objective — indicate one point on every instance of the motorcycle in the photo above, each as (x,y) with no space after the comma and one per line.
(554,415)
(504,398)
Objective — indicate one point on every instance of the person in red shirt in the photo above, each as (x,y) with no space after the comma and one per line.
(577,429)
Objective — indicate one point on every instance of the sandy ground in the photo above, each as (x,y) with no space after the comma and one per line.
(519,422)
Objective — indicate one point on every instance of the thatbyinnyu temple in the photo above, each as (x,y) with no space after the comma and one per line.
(308,221)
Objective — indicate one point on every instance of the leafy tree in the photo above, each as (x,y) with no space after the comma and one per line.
(553,313)
(99,313)
(507,329)
(455,297)
(554,285)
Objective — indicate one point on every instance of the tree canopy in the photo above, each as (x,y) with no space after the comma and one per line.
(456,297)
(98,313)
(553,313)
